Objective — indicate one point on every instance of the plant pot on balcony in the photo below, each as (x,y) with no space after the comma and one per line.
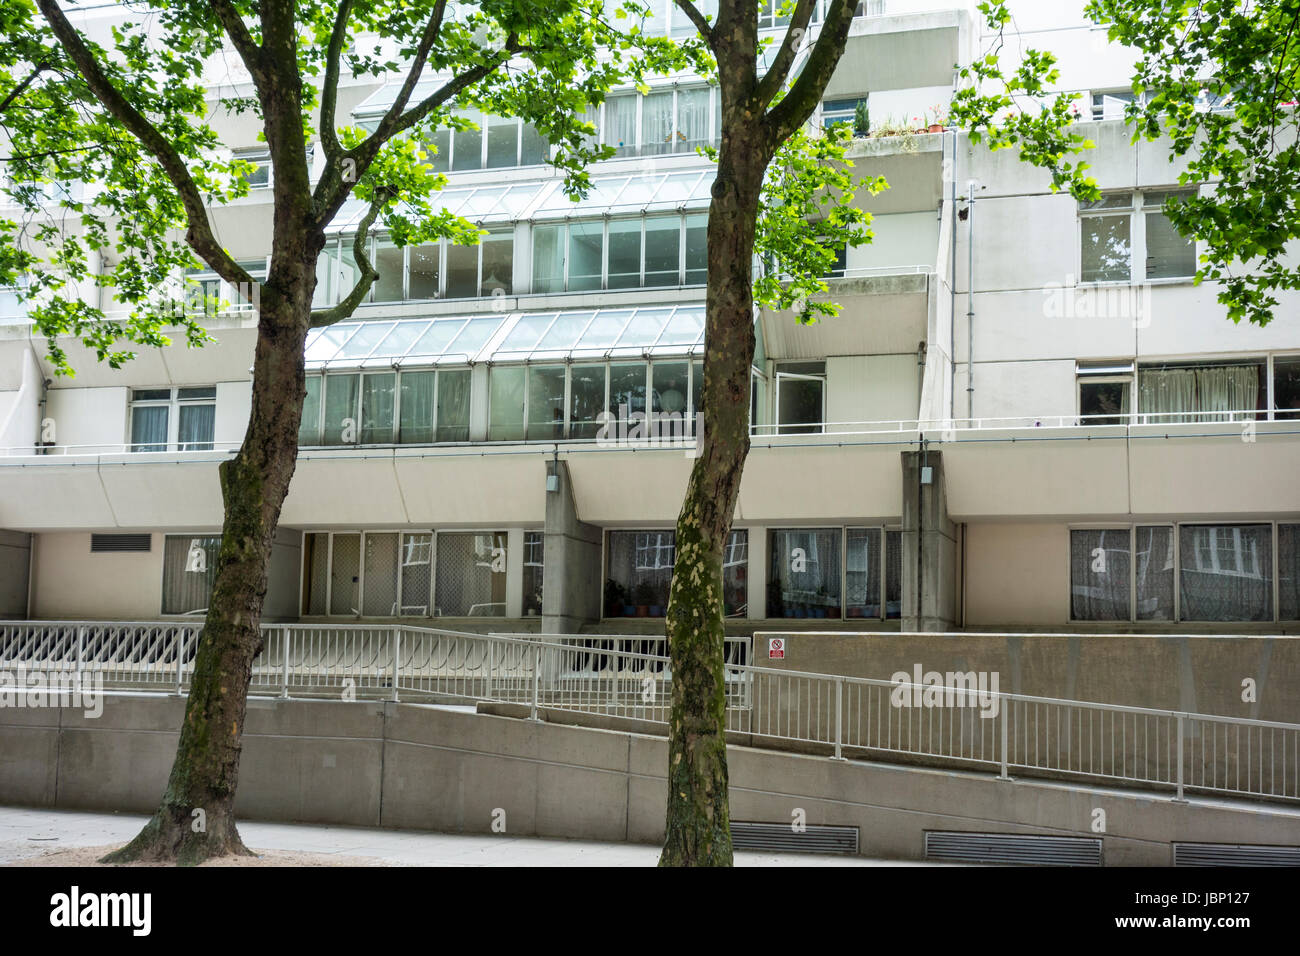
(935,128)
(642,610)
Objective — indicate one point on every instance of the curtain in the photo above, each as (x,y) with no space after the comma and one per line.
(149,428)
(1155,573)
(189,567)
(417,585)
(1099,575)
(805,577)
(377,408)
(506,403)
(340,409)
(416,425)
(1197,394)
(1288,571)
(466,584)
(380,598)
(1226,572)
(548,258)
(309,430)
(620,123)
(862,575)
(657,123)
(546,402)
(735,575)
(453,405)
(316,561)
(196,427)
(640,572)
(693,126)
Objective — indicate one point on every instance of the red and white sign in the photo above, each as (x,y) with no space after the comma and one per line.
(776,648)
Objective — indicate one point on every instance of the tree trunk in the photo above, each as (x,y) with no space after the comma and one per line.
(698,819)
(196,818)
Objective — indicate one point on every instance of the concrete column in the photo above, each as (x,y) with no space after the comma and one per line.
(572,582)
(515,572)
(929,546)
(757,573)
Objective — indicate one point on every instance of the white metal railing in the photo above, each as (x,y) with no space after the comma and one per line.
(628,676)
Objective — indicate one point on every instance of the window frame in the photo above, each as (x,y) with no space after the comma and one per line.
(1137,211)
(173,403)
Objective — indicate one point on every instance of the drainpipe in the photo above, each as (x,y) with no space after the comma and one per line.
(952,280)
(970,299)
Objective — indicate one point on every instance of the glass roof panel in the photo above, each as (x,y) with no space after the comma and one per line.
(526,332)
(363,343)
(604,329)
(474,336)
(644,328)
(686,327)
(401,338)
(325,342)
(682,187)
(482,201)
(564,333)
(435,340)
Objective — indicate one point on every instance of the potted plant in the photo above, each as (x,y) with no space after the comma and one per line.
(861,119)
(938,118)
(615,598)
(642,595)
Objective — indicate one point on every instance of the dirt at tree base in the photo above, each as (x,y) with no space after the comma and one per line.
(84,856)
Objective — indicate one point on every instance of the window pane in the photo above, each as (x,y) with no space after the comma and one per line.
(1288,571)
(377,408)
(693,127)
(424,272)
(1286,387)
(586,399)
(506,404)
(533,148)
(189,568)
(640,573)
(546,402)
(1169,255)
(315,572)
(340,409)
(195,427)
(345,575)
(662,245)
(805,575)
(471,575)
(462,272)
(1103,403)
(498,265)
(309,430)
(503,143)
(620,123)
(453,405)
(697,255)
(467,145)
(417,580)
(799,403)
(627,390)
(1199,393)
(534,565)
(548,259)
(439,150)
(389,263)
(586,240)
(380,599)
(735,575)
(893,574)
(657,123)
(1155,573)
(149,428)
(1106,249)
(625,253)
(417,408)
(1099,575)
(670,389)
(862,573)
(1226,573)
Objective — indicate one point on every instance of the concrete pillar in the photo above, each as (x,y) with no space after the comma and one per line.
(757,572)
(929,546)
(15,568)
(572,583)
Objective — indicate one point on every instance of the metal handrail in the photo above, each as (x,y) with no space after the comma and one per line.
(604,674)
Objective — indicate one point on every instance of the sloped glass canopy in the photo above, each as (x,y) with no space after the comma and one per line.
(512,337)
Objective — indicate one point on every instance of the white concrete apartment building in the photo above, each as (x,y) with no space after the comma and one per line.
(1025,417)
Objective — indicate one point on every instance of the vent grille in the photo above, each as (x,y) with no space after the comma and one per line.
(120,542)
(958,846)
(781,838)
(1234,854)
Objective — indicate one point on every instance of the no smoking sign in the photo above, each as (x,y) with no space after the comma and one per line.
(776,648)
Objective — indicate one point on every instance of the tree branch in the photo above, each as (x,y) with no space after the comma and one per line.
(776,75)
(798,104)
(693,14)
(17,91)
(199,235)
(323,317)
(329,137)
(244,43)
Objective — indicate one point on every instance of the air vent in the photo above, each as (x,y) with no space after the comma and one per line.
(120,542)
(1234,854)
(1025,849)
(781,837)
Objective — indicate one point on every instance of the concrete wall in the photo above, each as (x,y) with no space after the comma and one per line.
(71,583)
(369,764)
(15,569)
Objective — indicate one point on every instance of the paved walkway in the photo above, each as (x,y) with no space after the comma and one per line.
(26,833)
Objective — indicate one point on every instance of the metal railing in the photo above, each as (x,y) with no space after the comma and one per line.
(628,676)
